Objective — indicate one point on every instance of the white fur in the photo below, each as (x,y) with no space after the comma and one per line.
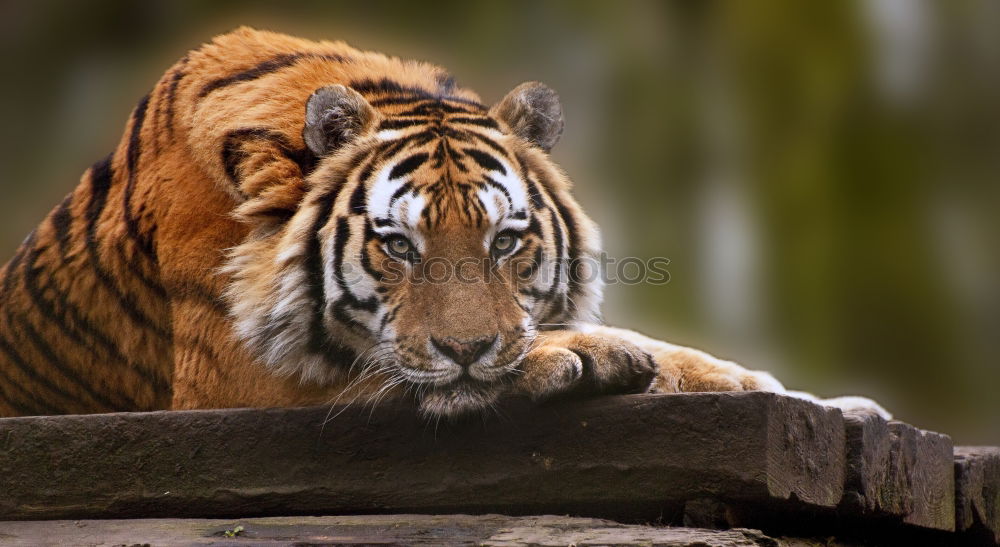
(388,134)
(380,192)
(515,186)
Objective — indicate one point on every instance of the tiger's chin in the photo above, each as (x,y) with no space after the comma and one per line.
(459,398)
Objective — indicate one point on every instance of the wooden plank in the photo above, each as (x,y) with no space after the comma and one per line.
(977,492)
(631,457)
(896,470)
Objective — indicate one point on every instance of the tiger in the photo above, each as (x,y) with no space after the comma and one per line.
(263,236)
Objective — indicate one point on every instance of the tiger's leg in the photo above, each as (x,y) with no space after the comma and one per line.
(600,359)
(570,361)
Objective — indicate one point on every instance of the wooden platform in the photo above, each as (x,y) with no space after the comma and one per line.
(711,460)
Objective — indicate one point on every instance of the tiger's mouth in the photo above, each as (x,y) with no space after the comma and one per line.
(446,388)
(460,397)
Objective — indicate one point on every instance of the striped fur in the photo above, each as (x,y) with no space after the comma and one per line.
(117,301)
(233,250)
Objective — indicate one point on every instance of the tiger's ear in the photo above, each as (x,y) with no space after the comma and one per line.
(533,112)
(335,115)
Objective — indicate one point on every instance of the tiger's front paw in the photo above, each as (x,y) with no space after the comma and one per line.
(690,370)
(566,362)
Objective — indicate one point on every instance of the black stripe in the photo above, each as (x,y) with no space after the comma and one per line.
(391,148)
(423,137)
(77,327)
(133,151)
(357,205)
(318,337)
(340,239)
(26,369)
(439,153)
(138,273)
(366,171)
(26,404)
(262,69)
(558,235)
(279,214)
(494,184)
(232,153)
(532,292)
(100,184)
(101,177)
(408,166)
(383,222)
(45,350)
(62,219)
(172,95)
(357,202)
(485,160)
(232,148)
(366,262)
(481,122)
(537,201)
(534,227)
(401,123)
(427,107)
(400,192)
(556,311)
(536,261)
(338,310)
(490,142)
(456,134)
(387,317)
(573,243)
(385,86)
(339,354)
(403,99)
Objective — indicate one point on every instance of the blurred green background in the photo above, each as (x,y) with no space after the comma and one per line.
(824,177)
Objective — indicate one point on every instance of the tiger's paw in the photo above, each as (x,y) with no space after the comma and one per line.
(846,403)
(689,370)
(566,362)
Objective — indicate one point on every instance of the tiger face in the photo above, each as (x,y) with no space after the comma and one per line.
(435,238)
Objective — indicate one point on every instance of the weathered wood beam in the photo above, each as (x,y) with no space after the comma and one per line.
(754,460)
(631,457)
(977,493)
(897,470)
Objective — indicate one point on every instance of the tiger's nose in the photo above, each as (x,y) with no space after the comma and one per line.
(464,352)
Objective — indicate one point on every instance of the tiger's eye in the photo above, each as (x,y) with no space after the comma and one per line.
(504,243)
(399,246)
